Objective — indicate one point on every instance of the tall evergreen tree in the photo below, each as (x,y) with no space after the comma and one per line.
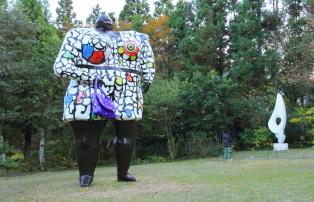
(17,40)
(163,7)
(248,52)
(65,15)
(297,64)
(96,12)
(212,31)
(134,9)
(205,46)
(182,25)
(44,86)
(34,10)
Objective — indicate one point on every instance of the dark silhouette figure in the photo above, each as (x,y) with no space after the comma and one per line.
(227,141)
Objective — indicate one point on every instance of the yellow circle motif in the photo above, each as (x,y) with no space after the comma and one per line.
(150,65)
(119,81)
(121,50)
(133,57)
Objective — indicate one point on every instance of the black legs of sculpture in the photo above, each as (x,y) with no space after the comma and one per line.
(87,138)
(87,134)
(124,147)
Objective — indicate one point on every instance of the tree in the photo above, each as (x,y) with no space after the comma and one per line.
(161,40)
(65,15)
(163,7)
(162,113)
(134,14)
(17,35)
(34,10)
(211,35)
(181,23)
(296,73)
(132,8)
(250,56)
(96,12)
(33,106)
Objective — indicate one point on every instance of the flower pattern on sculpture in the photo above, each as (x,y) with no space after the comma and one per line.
(129,50)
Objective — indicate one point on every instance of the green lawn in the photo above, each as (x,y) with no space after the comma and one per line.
(289,176)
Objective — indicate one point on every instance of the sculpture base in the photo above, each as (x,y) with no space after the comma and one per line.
(280,147)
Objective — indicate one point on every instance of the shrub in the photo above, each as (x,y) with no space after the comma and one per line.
(301,130)
(201,144)
(258,138)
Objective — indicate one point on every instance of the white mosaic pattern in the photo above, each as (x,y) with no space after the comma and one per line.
(119,59)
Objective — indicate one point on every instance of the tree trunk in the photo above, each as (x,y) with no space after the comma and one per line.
(42,160)
(2,154)
(28,133)
(70,151)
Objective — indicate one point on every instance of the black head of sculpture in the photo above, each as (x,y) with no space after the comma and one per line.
(104,23)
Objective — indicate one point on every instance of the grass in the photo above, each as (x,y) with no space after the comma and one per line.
(251,176)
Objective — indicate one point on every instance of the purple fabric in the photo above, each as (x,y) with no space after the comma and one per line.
(102,104)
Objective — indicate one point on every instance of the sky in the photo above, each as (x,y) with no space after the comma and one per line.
(84,7)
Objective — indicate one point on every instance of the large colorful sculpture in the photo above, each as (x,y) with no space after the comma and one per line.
(277,123)
(105,69)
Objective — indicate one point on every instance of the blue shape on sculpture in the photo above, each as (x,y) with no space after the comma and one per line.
(87,51)
(128,112)
(68,100)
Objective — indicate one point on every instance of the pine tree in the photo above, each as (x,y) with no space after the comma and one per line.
(297,65)
(182,24)
(163,7)
(96,12)
(40,86)
(205,43)
(212,34)
(134,9)
(65,15)
(247,36)
(16,76)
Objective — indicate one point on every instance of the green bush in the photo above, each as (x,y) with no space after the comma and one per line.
(200,144)
(9,164)
(14,158)
(300,131)
(258,138)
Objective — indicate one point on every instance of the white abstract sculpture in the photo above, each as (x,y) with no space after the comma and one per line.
(279,113)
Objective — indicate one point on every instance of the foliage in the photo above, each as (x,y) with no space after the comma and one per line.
(200,144)
(5,148)
(132,8)
(96,12)
(17,35)
(133,15)
(305,116)
(9,164)
(14,157)
(258,138)
(296,77)
(249,54)
(304,119)
(163,8)
(161,40)
(65,15)
(162,112)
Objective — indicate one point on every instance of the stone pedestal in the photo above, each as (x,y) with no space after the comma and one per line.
(280,146)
